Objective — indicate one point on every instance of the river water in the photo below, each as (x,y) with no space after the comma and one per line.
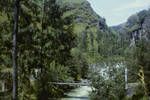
(80,93)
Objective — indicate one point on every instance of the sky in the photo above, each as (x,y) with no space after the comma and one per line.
(117,11)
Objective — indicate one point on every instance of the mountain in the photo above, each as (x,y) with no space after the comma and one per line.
(86,22)
(136,27)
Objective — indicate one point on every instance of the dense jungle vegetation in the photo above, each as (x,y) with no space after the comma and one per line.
(46,41)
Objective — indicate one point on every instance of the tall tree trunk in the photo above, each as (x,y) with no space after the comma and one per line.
(14,51)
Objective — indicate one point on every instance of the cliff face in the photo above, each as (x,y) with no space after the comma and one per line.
(137,27)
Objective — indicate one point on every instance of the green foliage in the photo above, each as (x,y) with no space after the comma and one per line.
(44,43)
(79,65)
(143,55)
(109,84)
(57,42)
(53,73)
(137,59)
(76,1)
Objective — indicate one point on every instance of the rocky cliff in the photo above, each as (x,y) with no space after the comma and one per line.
(136,27)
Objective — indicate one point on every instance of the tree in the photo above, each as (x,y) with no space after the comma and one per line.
(14,51)
(108,82)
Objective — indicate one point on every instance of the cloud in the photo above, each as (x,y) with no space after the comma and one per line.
(134,5)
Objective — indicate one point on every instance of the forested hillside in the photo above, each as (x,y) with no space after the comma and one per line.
(137,31)
(48,45)
(52,36)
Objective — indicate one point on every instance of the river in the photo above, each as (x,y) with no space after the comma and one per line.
(80,93)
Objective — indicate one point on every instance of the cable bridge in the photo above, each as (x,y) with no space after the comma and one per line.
(71,84)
